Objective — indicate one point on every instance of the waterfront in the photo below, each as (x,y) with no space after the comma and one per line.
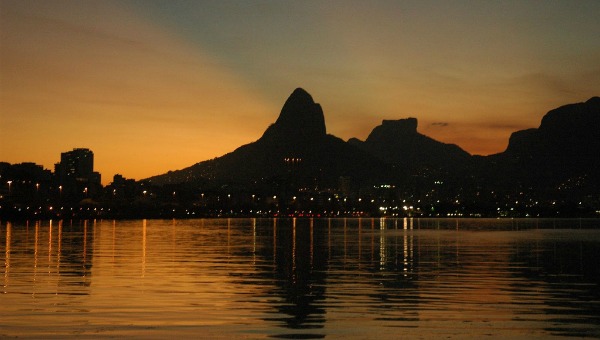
(301,278)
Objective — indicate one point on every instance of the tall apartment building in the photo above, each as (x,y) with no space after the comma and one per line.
(75,172)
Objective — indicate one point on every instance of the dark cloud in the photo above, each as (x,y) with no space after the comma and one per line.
(442,124)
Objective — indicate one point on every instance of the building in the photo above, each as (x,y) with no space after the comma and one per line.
(75,173)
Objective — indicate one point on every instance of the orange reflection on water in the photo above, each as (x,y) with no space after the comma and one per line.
(49,244)
(294,249)
(144,225)
(300,277)
(7,255)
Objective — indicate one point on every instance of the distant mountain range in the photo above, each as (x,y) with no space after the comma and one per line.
(296,152)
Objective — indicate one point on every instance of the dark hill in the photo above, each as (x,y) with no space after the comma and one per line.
(301,120)
(564,152)
(568,134)
(295,152)
(398,142)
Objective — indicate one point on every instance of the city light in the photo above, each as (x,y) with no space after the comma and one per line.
(78,190)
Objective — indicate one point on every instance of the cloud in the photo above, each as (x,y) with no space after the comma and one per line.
(441,124)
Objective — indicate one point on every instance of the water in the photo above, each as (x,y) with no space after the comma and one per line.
(284,278)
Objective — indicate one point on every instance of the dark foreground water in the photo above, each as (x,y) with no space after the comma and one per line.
(304,278)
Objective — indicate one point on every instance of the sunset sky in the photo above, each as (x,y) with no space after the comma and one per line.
(152,86)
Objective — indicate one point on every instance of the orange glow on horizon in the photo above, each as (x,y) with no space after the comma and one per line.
(148,93)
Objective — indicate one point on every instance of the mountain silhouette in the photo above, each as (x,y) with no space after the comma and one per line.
(567,135)
(301,120)
(565,148)
(296,152)
(398,142)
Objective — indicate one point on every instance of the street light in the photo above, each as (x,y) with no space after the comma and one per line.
(9,183)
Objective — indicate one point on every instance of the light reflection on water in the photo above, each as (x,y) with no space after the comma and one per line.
(301,278)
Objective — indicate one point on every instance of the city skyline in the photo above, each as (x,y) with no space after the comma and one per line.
(155,86)
(295,169)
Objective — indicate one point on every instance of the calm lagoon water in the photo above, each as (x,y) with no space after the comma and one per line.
(300,278)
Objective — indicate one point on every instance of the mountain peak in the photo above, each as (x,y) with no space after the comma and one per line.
(300,95)
(300,118)
(393,129)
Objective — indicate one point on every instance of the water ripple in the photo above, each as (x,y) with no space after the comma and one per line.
(301,278)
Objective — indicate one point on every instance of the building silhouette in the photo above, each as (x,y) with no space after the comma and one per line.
(75,174)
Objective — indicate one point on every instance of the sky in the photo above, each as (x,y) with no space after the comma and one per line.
(152,86)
